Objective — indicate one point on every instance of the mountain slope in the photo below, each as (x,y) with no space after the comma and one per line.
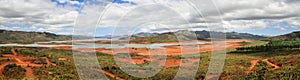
(229,35)
(290,36)
(29,37)
(191,35)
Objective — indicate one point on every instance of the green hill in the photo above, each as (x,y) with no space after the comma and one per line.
(7,36)
(290,36)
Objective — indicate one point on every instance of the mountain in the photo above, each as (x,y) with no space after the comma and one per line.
(190,35)
(229,35)
(202,35)
(144,34)
(7,36)
(290,36)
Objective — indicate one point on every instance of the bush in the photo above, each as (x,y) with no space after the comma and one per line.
(274,46)
(5,50)
(14,71)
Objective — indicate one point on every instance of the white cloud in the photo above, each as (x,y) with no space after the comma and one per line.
(244,24)
(169,14)
(2,27)
(37,13)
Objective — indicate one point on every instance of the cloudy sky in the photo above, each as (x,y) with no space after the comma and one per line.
(107,17)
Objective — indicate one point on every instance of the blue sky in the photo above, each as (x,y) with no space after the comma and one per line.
(266,17)
(272,28)
(269,31)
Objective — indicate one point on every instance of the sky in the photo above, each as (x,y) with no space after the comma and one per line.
(118,17)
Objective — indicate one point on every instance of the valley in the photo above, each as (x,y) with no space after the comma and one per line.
(245,59)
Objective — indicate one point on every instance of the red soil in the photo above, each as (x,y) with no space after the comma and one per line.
(63,47)
(134,61)
(62,59)
(168,63)
(253,63)
(1,69)
(271,64)
(168,50)
(29,72)
(48,62)
(171,63)
(26,65)
(108,74)
(208,77)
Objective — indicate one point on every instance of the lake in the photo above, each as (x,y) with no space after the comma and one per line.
(92,45)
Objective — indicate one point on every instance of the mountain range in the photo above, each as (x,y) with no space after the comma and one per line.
(199,35)
(7,36)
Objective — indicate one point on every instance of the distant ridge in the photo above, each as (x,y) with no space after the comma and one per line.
(190,35)
(7,36)
(290,36)
(229,35)
(207,34)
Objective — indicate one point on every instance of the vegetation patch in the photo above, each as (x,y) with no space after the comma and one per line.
(14,71)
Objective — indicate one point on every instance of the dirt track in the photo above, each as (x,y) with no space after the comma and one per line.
(108,74)
(29,72)
(1,69)
(271,64)
(255,62)
(26,65)
(48,62)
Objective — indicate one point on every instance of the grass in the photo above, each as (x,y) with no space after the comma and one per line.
(256,43)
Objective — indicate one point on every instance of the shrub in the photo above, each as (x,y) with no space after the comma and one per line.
(14,71)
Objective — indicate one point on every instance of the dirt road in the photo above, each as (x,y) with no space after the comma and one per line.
(253,63)
(271,64)
(108,74)
(26,65)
